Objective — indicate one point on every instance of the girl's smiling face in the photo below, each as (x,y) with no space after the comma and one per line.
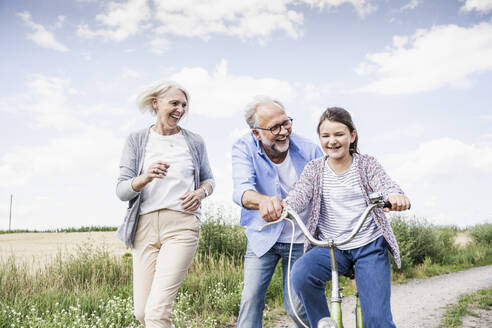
(335,139)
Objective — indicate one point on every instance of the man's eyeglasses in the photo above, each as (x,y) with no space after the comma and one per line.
(275,130)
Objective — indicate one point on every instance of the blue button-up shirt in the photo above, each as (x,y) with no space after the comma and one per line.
(253,170)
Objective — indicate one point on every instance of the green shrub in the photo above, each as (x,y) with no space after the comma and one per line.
(416,239)
(482,233)
(221,239)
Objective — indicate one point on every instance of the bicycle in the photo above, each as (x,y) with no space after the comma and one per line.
(335,321)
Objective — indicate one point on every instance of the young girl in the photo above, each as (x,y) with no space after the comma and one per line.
(338,185)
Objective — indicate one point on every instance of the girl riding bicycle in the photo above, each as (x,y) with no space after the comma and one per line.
(337,186)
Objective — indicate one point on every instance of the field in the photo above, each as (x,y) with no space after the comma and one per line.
(36,249)
(83,279)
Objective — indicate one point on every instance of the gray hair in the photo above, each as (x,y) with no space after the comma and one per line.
(157,90)
(250,114)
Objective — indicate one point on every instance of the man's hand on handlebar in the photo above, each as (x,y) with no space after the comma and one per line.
(398,202)
(271,208)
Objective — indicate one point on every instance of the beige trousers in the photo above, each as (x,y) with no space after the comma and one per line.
(164,246)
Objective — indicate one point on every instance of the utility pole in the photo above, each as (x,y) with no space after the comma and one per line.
(10,213)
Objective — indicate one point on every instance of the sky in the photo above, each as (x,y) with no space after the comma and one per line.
(415,74)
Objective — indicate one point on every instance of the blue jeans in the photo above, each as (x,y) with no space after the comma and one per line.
(258,273)
(373,278)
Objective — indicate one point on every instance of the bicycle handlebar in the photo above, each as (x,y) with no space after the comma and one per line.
(289,214)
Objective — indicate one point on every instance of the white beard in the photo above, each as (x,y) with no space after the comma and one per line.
(274,146)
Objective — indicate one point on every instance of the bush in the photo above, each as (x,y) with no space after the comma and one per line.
(221,239)
(482,233)
(416,239)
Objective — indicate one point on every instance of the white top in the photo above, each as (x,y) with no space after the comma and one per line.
(342,204)
(287,179)
(165,193)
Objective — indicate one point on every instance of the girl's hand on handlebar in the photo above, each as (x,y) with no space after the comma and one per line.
(398,202)
(271,208)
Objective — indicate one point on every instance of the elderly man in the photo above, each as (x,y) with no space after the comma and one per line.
(266,163)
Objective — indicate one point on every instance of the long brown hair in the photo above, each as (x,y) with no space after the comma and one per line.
(340,115)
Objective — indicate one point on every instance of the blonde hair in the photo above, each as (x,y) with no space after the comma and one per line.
(157,90)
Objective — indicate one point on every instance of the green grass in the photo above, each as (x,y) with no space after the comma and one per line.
(94,288)
(91,288)
(467,306)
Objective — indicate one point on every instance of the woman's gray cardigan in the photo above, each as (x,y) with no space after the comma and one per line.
(131,165)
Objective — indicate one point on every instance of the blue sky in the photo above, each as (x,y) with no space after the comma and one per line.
(415,74)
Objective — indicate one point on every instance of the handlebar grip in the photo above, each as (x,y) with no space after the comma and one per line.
(388,205)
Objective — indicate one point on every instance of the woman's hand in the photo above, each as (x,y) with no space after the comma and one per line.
(156,170)
(398,202)
(192,199)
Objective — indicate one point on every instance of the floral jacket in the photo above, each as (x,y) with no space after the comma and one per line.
(373,178)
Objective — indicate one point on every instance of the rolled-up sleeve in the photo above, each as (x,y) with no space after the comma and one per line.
(243,172)
(128,171)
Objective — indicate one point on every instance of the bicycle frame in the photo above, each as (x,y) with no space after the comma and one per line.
(335,321)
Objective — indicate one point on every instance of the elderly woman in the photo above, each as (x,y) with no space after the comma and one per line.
(164,175)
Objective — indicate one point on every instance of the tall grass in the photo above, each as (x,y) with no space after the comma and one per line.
(428,250)
(90,288)
(93,288)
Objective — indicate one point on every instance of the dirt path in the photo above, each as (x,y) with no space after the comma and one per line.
(421,303)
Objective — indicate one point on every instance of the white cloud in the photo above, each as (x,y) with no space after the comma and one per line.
(52,103)
(430,59)
(246,19)
(447,180)
(40,35)
(204,18)
(65,158)
(46,101)
(129,73)
(159,45)
(66,181)
(411,5)
(60,21)
(407,131)
(441,158)
(120,20)
(483,6)
(362,7)
(51,176)
(219,94)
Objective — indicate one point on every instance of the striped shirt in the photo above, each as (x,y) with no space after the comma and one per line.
(342,204)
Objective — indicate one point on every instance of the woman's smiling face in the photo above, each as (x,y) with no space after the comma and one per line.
(335,139)
(170,108)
